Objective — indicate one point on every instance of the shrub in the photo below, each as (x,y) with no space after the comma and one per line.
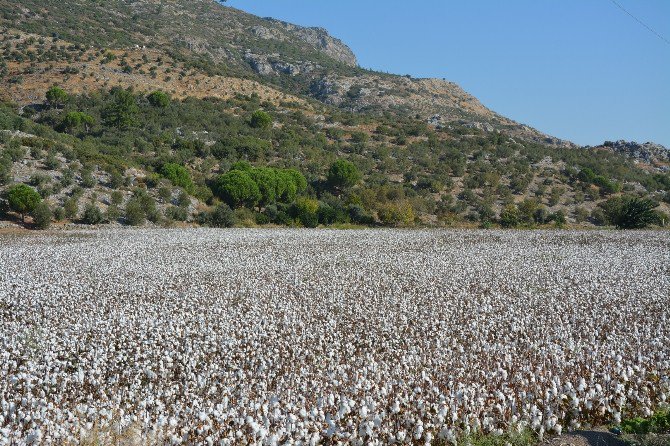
(113,213)
(510,217)
(92,215)
(559,219)
(178,175)
(165,194)
(183,200)
(358,214)
(59,214)
(630,212)
(177,213)
(134,214)
(22,199)
(396,214)
(222,217)
(658,423)
(51,162)
(305,210)
(42,216)
(116,197)
(260,120)
(159,99)
(71,208)
(87,179)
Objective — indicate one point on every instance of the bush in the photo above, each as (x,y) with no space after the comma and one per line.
(559,219)
(59,214)
(113,213)
(116,197)
(630,212)
(92,215)
(222,216)
(134,215)
(22,199)
(159,99)
(359,215)
(305,210)
(177,213)
(658,423)
(396,214)
(71,208)
(510,217)
(42,216)
(87,179)
(260,120)
(178,175)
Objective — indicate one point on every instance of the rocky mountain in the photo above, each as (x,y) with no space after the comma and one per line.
(228,41)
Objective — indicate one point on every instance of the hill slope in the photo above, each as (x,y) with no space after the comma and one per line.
(428,152)
(229,41)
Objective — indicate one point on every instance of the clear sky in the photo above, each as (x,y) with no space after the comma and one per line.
(581,70)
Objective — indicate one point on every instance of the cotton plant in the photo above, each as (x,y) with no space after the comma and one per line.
(306,337)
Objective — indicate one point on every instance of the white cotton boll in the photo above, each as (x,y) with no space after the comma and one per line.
(418,431)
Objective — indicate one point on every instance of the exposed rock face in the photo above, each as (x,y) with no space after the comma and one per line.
(272,65)
(319,38)
(650,153)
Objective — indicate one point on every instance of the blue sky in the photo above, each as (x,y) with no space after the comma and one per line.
(581,70)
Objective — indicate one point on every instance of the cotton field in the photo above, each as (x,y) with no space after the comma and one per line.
(274,337)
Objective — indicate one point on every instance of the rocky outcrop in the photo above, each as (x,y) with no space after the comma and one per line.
(273,65)
(650,153)
(318,38)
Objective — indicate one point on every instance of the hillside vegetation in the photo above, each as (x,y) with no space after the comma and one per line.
(194,112)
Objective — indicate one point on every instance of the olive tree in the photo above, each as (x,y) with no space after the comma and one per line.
(22,199)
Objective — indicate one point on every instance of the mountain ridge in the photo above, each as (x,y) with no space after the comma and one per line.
(247,45)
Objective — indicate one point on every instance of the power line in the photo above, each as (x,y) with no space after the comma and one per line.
(640,21)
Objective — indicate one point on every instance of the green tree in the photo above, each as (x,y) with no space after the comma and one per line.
(42,216)
(630,212)
(73,120)
(122,109)
(266,180)
(22,199)
(159,99)
(260,120)
(178,175)
(56,97)
(343,174)
(237,188)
